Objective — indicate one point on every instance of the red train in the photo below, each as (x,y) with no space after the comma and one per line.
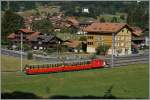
(95,63)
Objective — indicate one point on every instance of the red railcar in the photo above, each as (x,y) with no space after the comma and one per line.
(95,63)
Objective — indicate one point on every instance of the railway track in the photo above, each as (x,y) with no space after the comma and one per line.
(122,61)
(118,61)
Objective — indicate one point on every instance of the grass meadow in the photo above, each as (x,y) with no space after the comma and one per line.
(130,81)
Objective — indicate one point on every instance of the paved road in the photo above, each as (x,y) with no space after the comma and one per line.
(74,58)
(50,59)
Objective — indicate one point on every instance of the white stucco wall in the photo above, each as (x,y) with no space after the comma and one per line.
(91,49)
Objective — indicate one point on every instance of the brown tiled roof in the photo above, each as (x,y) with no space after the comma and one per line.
(35,34)
(31,34)
(105,27)
(72,43)
(137,31)
(73,20)
(11,36)
(26,30)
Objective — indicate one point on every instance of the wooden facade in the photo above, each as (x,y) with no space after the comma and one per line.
(35,40)
(122,40)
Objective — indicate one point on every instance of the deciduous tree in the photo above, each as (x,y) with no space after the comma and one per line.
(10,23)
(44,26)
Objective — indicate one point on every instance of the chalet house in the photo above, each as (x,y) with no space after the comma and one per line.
(140,37)
(83,23)
(43,42)
(72,45)
(71,21)
(102,33)
(36,40)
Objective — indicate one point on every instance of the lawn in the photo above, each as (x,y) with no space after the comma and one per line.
(10,63)
(109,17)
(126,82)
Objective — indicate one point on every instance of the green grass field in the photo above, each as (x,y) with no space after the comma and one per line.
(109,17)
(128,82)
(13,64)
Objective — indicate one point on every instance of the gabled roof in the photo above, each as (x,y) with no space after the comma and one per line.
(137,31)
(73,21)
(30,32)
(26,30)
(45,38)
(33,35)
(72,43)
(105,27)
(11,36)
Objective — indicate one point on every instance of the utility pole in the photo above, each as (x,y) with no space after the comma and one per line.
(21,50)
(113,50)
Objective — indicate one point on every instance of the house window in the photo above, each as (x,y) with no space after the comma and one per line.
(122,38)
(102,38)
(122,44)
(90,43)
(118,38)
(122,30)
(90,37)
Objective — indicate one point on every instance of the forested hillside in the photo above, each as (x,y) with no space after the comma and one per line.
(137,12)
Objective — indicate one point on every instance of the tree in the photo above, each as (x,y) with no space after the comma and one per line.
(102,20)
(44,26)
(122,17)
(10,23)
(25,47)
(29,55)
(73,29)
(102,49)
(79,47)
(114,19)
(83,38)
(64,30)
(139,15)
(84,46)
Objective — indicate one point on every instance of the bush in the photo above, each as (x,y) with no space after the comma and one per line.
(93,56)
(51,50)
(102,49)
(84,47)
(79,47)
(83,38)
(122,17)
(25,47)
(64,48)
(4,42)
(144,47)
(29,55)
(64,30)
